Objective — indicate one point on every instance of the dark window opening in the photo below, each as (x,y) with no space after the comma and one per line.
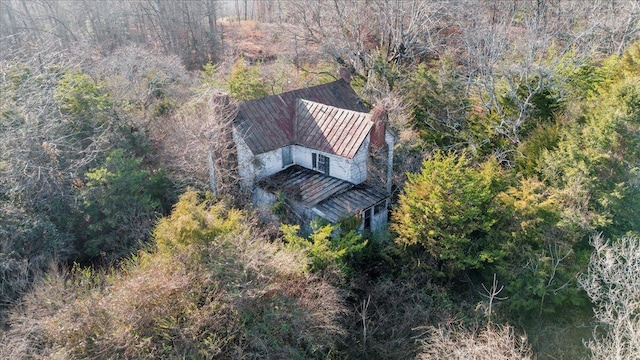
(314,161)
(366,219)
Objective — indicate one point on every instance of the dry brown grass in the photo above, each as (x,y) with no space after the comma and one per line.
(264,42)
(233,296)
(285,60)
(494,342)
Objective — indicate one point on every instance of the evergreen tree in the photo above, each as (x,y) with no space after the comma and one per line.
(447,209)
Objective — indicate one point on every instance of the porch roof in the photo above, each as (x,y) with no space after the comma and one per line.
(349,203)
(328,197)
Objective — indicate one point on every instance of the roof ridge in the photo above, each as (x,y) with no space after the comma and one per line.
(295,121)
(287,118)
(333,129)
(335,107)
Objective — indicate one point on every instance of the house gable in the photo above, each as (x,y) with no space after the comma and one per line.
(330,129)
(314,146)
(269,123)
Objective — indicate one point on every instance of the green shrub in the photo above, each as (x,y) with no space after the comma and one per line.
(120,203)
(325,246)
(245,83)
(213,288)
(448,210)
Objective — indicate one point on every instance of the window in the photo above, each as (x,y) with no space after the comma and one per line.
(323,164)
(380,207)
(320,162)
(287,159)
(366,219)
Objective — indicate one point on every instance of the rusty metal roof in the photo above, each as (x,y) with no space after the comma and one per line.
(331,198)
(330,129)
(270,123)
(349,203)
(303,185)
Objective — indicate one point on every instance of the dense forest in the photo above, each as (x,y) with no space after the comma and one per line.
(515,222)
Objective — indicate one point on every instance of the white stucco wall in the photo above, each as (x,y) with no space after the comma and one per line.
(255,167)
(390,139)
(245,161)
(379,221)
(263,201)
(358,171)
(268,163)
(352,170)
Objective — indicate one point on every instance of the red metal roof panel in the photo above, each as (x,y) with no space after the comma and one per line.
(330,129)
(275,121)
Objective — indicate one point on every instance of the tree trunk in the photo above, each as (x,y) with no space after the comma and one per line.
(213,179)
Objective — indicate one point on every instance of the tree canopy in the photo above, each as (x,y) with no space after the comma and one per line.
(517,140)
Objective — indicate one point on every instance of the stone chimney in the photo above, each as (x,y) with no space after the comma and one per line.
(379,117)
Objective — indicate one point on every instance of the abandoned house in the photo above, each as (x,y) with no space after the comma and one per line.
(316,152)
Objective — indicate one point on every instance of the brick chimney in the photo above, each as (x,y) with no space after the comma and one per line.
(345,74)
(379,118)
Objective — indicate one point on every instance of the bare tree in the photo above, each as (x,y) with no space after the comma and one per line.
(44,148)
(511,51)
(491,294)
(185,28)
(613,284)
(144,80)
(197,142)
(508,51)
(56,123)
(350,31)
